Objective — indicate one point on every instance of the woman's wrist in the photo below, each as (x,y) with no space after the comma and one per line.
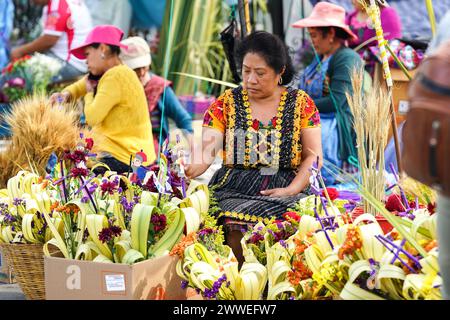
(294,189)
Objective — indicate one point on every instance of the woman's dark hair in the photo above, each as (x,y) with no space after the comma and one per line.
(115,50)
(272,49)
(339,32)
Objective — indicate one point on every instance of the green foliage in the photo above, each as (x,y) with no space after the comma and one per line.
(193,45)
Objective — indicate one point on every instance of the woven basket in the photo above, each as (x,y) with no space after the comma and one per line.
(27,262)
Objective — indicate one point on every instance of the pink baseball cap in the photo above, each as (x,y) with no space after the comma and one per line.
(106,34)
(326,14)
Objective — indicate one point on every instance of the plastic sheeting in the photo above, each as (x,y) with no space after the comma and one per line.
(148,13)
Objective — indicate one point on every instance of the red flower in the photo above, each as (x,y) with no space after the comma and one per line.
(79,172)
(332,192)
(291,215)
(255,124)
(431,207)
(89,143)
(394,203)
(159,222)
(274,122)
(109,187)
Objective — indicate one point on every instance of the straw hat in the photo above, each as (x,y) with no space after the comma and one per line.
(137,54)
(326,14)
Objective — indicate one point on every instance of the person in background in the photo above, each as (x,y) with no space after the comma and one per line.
(111,12)
(66,25)
(269,137)
(328,78)
(6,26)
(137,57)
(361,24)
(443,201)
(116,107)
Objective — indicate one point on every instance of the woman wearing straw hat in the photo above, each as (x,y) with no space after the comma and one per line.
(115,103)
(327,79)
(137,57)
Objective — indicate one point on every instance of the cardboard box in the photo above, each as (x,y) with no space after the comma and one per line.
(155,279)
(400,93)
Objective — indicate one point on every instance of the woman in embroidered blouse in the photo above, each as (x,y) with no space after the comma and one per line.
(269,137)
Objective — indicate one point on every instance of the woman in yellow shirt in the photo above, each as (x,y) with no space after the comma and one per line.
(115,107)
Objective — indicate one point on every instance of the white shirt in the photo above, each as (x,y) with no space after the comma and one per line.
(71,21)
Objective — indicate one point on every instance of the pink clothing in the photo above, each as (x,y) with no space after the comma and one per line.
(390,21)
(71,21)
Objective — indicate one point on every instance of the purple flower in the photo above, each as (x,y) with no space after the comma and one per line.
(18,201)
(283,243)
(206,231)
(85,199)
(184,284)
(16,82)
(349,206)
(127,206)
(9,218)
(212,293)
(92,188)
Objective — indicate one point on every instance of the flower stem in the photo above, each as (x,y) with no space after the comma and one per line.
(63,180)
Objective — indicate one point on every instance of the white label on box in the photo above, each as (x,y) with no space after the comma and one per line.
(403,107)
(115,282)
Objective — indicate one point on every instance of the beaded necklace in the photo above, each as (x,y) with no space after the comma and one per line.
(251,131)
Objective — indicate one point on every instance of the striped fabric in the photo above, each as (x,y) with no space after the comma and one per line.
(238,193)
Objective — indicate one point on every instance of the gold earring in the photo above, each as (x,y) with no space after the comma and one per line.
(280,81)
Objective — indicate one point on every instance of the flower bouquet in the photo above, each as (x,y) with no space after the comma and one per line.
(321,251)
(27,75)
(96,218)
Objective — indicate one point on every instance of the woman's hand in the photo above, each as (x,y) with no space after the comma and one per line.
(60,97)
(279,192)
(91,85)
(192,171)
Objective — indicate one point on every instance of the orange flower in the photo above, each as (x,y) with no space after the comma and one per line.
(352,243)
(54,206)
(299,272)
(185,242)
(431,245)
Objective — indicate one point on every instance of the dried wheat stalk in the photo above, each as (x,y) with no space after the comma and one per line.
(371,120)
(38,129)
